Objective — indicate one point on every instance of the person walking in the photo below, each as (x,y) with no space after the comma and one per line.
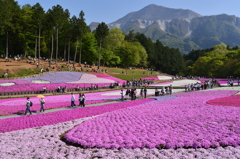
(170,89)
(82,102)
(141,93)
(135,94)
(79,98)
(127,94)
(42,103)
(72,100)
(122,98)
(145,92)
(163,90)
(28,105)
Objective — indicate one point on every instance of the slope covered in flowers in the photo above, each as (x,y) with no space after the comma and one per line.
(18,105)
(68,79)
(187,121)
(226,101)
(30,121)
(44,142)
(58,77)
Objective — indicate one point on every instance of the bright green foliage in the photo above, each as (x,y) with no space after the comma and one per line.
(114,39)
(89,48)
(109,58)
(215,62)
(101,32)
(129,54)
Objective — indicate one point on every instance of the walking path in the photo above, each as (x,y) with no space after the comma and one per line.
(59,109)
(98,104)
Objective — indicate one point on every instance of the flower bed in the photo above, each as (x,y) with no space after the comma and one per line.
(44,142)
(30,121)
(163,77)
(7,84)
(24,85)
(182,82)
(226,101)
(16,81)
(187,122)
(40,81)
(224,82)
(17,105)
(89,78)
(50,86)
(151,78)
(20,109)
(58,77)
(108,77)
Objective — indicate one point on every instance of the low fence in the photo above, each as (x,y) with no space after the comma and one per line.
(87,89)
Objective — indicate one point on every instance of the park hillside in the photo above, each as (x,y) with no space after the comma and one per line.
(54,35)
(72,93)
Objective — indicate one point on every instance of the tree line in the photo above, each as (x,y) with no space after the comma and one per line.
(219,61)
(30,31)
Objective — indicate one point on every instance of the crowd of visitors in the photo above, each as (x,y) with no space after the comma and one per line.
(164,91)
(61,89)
(132,93)
(138,83)
(201,86)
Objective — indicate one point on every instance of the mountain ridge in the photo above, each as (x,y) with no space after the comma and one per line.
(182,28)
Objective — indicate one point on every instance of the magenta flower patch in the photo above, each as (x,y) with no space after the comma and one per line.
(226,101)
(18,105)
(30,121)
(187,121)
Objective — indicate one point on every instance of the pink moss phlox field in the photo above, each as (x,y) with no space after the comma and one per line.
(90,78)
(225,81)
(16,81)
(233,100)
(20,109)
(17,105)
(58,77)
(108,77)
(30,121)
(169,82)
(50,86)
(187,122)
(151,77)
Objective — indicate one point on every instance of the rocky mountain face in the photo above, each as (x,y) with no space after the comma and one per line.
(183,29)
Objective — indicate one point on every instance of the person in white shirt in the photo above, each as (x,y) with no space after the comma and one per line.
(72,100)
(163,91)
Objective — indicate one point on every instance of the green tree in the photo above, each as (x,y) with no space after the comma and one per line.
(114,39)
(26,33)
(9,18)
(129,54)
(109,57)
(89,48)
(57,16)
(100,34)
(38,20)
(83,30)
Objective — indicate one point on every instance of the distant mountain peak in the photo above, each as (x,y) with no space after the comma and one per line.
(181,28)
(154,13)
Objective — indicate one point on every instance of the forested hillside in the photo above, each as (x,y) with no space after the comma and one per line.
(218,61)
(31,31)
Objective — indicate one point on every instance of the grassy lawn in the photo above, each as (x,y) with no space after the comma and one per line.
(129,77)
(131,72)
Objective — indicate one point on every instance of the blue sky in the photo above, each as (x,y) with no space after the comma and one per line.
(111,10)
